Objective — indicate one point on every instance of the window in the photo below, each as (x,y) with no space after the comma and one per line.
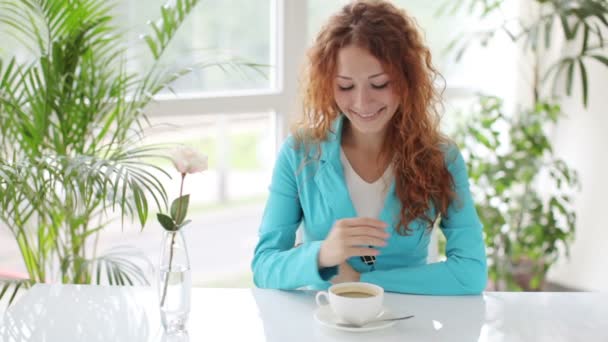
(236,27)
(236,118)
(226,202)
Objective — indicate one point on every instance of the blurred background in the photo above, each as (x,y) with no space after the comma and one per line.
(241,118)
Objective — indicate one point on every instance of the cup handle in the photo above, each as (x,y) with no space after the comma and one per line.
(322,294)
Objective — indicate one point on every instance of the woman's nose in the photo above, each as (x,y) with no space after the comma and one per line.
(361,100)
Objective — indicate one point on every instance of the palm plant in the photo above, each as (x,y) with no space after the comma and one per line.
(524,191)
(71,119)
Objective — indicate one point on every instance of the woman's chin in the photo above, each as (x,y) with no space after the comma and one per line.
(368,126)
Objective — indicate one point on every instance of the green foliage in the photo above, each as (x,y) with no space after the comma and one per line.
(71,123)
(166,221)
(522,190)
(166,27)
(524,193)
(10,288)
(213,24)
(582,22)
(179,210)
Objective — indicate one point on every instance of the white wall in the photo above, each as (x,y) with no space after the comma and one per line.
(582,140)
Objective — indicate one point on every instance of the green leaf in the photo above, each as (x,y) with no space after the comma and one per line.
(569,78)
(179,208)
(450,47)
(171,19)
(140,204)
(575,29)
(462,50)
(17,285)
(602,18)
(152,45)
(567,32)
(584,82)
(548,32)
(180,10)
(601,59)
(439,11)
(488,122)
(166,221)
(585,40)
(121,266)
(184,224)
(598,30)
(481,138)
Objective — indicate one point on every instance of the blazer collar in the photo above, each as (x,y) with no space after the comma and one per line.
(330,147)
(330,175)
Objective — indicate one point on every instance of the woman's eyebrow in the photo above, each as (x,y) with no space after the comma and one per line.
(372,76)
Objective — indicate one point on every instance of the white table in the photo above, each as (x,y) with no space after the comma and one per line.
(69,313)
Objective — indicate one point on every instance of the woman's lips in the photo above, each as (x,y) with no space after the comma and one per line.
(369,116)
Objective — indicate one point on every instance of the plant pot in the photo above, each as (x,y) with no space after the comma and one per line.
(525,270)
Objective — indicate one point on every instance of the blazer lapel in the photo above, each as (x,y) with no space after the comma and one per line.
(330,175)
(331,185)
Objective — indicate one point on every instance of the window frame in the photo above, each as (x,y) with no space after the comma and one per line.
(288,41)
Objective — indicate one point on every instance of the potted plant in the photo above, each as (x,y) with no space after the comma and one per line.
(71,122)
(524,192)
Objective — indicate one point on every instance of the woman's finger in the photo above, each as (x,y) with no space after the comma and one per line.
(366,231)
(365,241)
(364,221)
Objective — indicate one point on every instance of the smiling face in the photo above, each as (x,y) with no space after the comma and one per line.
(363,91)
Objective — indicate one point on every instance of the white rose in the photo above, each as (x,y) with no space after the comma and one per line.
(188,160)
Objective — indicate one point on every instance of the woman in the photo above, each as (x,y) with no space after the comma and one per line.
(367,173)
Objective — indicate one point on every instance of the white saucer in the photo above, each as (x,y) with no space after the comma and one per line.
(326,317)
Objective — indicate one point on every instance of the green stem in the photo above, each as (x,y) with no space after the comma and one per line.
(166,282)
(179,207)
(181,191)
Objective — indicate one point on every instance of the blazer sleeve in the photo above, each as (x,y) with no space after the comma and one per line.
(276,263)
(464,272)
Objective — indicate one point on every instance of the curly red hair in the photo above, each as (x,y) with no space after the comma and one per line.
(424,185)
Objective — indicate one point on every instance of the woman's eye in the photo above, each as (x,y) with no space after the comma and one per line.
(380,86)
(346,88)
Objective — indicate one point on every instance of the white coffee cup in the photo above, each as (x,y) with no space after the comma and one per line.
(355,302)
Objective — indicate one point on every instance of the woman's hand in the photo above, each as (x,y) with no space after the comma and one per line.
(352,237)
(346,274)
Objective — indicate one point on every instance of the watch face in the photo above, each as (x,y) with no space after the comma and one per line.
(368,259)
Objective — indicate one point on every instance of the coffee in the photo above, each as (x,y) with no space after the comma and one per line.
(355,294)
(353,302)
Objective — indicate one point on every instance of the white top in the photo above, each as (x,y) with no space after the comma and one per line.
(72,313)
(368,198)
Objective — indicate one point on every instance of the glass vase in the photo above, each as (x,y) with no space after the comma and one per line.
(174,282)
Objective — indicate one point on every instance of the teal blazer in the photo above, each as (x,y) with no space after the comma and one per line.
(315,195)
